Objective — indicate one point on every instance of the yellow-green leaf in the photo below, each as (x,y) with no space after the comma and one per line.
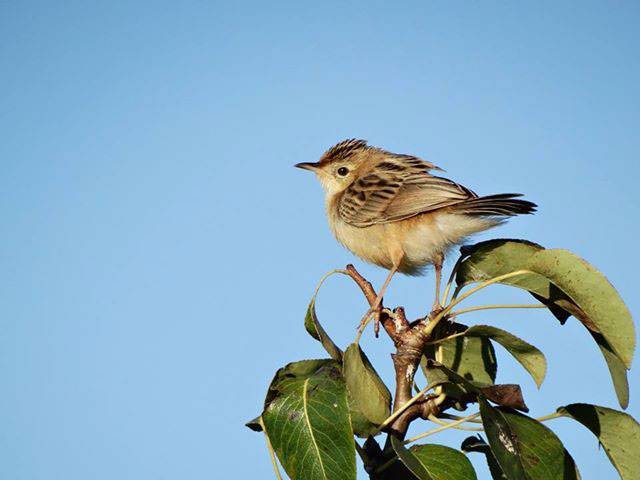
(527,355)
(617,432)
(554,279)
(492,258)
(313,327)
(593,294)
(617,369)
(369,397)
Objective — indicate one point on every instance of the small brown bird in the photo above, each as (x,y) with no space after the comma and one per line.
(389,210)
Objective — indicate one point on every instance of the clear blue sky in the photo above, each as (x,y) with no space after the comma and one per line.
(158,249)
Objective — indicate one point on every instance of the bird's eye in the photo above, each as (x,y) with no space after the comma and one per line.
(343,171)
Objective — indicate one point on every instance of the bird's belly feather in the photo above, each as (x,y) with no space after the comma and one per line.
(421,239)
(428,237)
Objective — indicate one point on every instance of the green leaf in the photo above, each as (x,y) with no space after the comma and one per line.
(594,295)
(369,397)
(527,355)
(487,260)
(444,463)
(434,462)
(618,432)
(524,448)
(306,417)
(477,444)
(473,358)
(313,327)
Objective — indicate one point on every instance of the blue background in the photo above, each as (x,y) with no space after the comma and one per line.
(158,250)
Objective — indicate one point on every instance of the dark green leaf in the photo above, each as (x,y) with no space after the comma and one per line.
(477,444)
(444,463)
(503,441)
(369,397)
(370,454)
(524,448)
(254,424)
(434,462)
(396,471)
(529,356)
(379,467)
(618,432)
(313,327)
(306,417)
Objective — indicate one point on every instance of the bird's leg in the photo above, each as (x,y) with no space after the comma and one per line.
(437,265)
(377,303)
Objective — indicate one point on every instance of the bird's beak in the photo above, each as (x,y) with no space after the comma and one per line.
(308,166)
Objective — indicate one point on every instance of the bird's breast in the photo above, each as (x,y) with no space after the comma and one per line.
(369,243)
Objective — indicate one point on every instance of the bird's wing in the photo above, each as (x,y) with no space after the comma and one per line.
(393,191)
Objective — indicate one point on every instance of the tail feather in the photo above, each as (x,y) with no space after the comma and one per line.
(503,205)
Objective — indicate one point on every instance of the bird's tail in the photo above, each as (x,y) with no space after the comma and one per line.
(502,205)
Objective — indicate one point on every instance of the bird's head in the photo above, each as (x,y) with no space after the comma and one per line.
(341,165)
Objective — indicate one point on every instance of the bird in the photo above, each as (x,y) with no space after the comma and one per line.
(390,210)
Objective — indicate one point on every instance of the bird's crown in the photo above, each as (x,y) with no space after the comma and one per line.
(344,150)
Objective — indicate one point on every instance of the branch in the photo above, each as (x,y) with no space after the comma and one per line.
(410,342)
(416,398)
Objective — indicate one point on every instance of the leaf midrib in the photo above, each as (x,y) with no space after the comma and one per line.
(313,438)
